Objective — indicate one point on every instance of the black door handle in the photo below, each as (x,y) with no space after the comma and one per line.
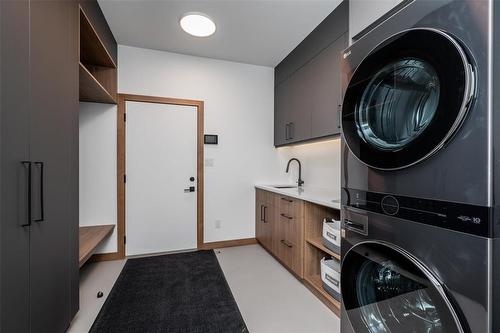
(28,219)
(339,117)
(265,209)
(42,204)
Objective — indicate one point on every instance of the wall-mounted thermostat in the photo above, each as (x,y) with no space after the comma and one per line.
(211,139)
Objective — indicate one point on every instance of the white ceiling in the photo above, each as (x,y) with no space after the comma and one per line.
(260,32)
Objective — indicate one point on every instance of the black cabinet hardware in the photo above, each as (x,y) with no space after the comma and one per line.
(287,244)
(286,216)
(41,196)
(28,190)
(339,117)
(287,200)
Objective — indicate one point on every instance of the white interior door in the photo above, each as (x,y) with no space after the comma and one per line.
(160,160)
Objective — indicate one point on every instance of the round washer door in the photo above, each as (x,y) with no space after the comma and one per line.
(385,290)
(407,98)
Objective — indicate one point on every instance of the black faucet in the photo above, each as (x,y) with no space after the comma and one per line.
(300,182)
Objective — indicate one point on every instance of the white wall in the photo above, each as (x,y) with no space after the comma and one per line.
(98,168)
(239,107)
(320,163)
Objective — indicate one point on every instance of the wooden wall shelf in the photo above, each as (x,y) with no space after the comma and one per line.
(92,90)
(98,72)
(92,49)
(90,238)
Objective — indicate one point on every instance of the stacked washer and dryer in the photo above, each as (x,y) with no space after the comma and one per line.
(420,171)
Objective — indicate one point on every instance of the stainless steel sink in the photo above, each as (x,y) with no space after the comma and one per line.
(285,186)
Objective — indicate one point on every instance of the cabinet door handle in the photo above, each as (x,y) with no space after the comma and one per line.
(287,132)
(28,182)
(339,117)
(287,244)
(262,213)
(292,130)
(42,204)
(287,200)
(286,216)
(265,208)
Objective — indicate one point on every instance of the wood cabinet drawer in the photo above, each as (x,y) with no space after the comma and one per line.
(290,254)
(279,227)
(290,208)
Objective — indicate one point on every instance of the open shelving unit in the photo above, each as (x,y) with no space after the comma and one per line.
(314,251)
(98,71)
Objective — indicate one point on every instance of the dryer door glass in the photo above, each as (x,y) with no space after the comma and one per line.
(406,98)
(386,291)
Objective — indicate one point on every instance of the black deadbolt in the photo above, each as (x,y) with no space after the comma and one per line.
(191,179)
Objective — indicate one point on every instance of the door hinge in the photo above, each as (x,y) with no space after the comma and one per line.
(124,239)
(124,178)
(124,117)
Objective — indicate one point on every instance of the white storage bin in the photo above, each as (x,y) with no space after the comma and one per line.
(330,275)
(331,234)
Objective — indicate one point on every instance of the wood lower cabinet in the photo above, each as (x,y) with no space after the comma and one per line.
(265,219)
(289,233)
(291,230)
(279,227)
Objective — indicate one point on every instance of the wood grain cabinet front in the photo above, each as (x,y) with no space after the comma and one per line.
(264,218)
(279,228)
(291,230)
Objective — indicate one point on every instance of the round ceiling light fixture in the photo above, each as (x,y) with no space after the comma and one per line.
(197,24)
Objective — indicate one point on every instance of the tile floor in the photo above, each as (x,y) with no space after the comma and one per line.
(268,296)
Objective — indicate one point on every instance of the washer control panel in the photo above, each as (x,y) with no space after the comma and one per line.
(450,215)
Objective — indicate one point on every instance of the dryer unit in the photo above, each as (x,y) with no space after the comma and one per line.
(420,159)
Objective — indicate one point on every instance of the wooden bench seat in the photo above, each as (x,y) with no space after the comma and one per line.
(90,238)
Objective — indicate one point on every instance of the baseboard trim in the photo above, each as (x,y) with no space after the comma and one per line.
(229,243)
(206,246)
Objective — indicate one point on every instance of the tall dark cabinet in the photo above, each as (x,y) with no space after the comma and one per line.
(308,92)
(38,165)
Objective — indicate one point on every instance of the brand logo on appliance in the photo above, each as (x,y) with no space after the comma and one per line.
(475,220)
(347,54)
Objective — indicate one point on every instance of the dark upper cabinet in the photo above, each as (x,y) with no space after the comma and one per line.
(282,103)
(326,93)
(292,102)
(307,83)
(299,119)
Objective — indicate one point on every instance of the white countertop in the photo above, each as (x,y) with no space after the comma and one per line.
(320,196)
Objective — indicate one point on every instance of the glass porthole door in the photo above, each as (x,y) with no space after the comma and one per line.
(407,98)
(386,291)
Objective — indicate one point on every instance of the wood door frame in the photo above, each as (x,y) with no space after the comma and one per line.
(121,156)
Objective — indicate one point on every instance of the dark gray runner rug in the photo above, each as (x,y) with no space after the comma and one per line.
(185,292)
